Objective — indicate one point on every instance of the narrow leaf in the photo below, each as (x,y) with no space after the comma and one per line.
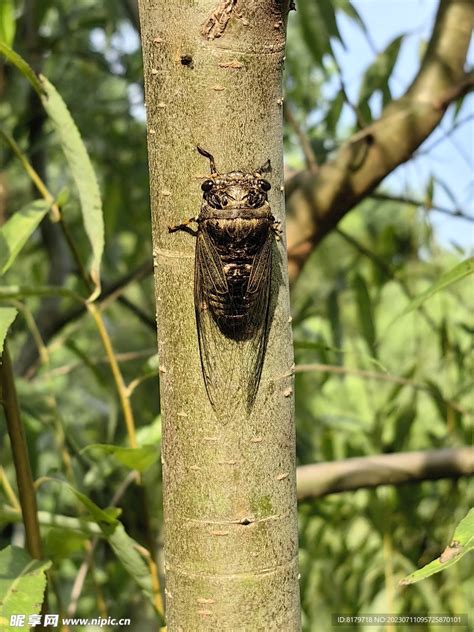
(314,30)
(335,322)
(365,313)
(7,316)
(17,230)
(459,272)
(346,7)
(378,73)
(7,22)
(82,173)
(329,16)
(461,543)
(22,584)
(26,70)
(334,112)
(125,548)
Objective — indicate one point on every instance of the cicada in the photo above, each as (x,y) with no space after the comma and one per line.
(232,281)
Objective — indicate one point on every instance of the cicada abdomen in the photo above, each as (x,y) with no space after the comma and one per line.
(232,279)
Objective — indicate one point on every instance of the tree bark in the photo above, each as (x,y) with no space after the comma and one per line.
(213,78)
(320,201)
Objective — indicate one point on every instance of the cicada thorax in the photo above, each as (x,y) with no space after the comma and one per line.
(238,243)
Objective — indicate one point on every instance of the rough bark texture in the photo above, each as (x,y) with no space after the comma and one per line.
(320,201)
(213,78)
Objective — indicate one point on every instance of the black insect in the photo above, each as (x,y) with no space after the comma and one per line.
(232,277)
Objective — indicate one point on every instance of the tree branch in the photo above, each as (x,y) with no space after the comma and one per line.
(455,92)
(314,481)
(29,358)
(321,200)
(24,477)
(386,197)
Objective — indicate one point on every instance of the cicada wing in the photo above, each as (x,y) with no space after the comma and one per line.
(231,367)
(258,291)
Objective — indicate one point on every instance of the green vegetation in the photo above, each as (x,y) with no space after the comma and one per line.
(382,316)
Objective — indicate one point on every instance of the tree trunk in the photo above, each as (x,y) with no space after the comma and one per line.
(213,78)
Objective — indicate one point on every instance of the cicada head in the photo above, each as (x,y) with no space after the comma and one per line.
(235,190)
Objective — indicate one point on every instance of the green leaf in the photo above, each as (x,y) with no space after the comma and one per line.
(26,70)
(335,322)
(105,518)
(329,17)
(461,543)
(365,313)
(318,25)
(429,193)
(334,112)
(7,316)
(18,229)
(22,584)
(403,423)
(378,73)
(134,458)
(124,547)
(7,22)
(346,7)
(82,173)
(459,272)
(438,399)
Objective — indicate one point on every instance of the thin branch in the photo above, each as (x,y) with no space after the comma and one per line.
(9,493)
(32,173)
(445,136)
(388,197)
(117,374)
(360,119)
(343,370)
(455,92)
(314,481)
(127,356)
(137,311)
(28,365)
(373,375)
(20,456)
(310,157)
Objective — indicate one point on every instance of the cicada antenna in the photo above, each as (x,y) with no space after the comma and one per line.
(212,162)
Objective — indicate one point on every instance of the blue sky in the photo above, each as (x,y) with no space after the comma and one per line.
(452,157)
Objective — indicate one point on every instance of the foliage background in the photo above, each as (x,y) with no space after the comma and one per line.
(355,547)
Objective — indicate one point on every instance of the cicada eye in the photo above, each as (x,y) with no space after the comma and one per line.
(255,198)
(214,200)
(207,185)
(264,185)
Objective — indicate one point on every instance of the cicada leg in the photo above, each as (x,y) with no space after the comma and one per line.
(277,230)
(184,227)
